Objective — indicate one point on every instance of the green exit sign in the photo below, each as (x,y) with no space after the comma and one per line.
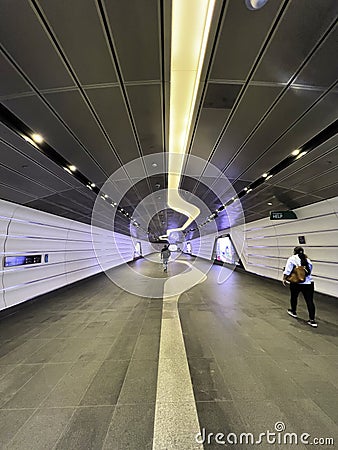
(281,215)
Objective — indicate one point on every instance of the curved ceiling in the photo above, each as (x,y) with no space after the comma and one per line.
(92,77)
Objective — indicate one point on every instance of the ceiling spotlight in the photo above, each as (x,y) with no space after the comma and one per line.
(301,154)
(154,164)
(105,196)
(114,203)
(295,152)
(268,178)
(249,190)
(89,187)
(264,175)
(269,203)
(67,170)
(246,188)
(102,196)
(37,138)
(72,168)
(255,4)
(92,185)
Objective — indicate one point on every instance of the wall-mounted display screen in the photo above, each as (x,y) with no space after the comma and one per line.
(138,250)
(225,251)
(11,261)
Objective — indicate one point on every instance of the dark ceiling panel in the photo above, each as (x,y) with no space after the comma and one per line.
(242,35)
(135,30)
(16,161)
(43,205)
(288,109)
(299,167)
(14,195)
(37,116)
(11,81)
(321,115)
(323,58)
(295,38)
(209,128)
(315,184)
(85,48)
(253,105)
(23,37)
(146,106)
(328,191)
(76,114)
(67,203)
(110,107)
(221,96)
(26,184)
(30,153)
(315,172)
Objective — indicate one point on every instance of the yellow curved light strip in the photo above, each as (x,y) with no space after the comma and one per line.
(191,20)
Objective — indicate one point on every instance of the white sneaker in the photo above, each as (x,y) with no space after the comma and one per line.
(312,323)
(292,314)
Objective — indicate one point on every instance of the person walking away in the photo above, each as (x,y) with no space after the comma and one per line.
(165,255)
(306,287)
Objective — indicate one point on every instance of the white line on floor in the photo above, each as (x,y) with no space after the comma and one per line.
(176,420)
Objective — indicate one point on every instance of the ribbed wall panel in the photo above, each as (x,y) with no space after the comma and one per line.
(265,245)
(269,243)
(203,246)
(75,251)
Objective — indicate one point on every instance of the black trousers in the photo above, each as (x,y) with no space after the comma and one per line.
(307,290)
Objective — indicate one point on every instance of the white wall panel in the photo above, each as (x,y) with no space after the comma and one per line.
(269,243)
(75,251)
(203,247)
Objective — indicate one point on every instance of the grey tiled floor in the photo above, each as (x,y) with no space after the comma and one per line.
(78,370)
(252,365)
(78,367)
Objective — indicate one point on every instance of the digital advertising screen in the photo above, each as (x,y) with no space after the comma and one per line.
(225,251)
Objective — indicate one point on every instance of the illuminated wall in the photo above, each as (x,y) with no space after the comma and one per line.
(269,243)
(68,244)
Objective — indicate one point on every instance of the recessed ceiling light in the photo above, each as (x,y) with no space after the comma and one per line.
(37,138)
(301,154)
(295,152)
(255,4)
(72,168)
(102,196)
(268,178)
(269,203)
(105,196)
(249,190)
(154,164)
(264,175)
(67,170)
(246,188)
(89,187)
(92,184)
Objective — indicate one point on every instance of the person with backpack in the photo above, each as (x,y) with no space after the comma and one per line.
(165,255)
(298,273)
